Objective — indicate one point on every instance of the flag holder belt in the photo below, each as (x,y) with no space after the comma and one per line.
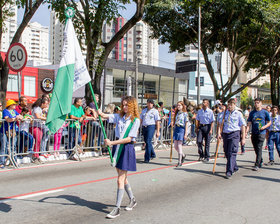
(145,126)
(202,125)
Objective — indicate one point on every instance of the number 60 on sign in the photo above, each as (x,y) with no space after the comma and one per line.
(16,57)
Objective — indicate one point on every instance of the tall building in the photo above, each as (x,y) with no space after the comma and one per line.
(146,47)
(35,38)
(136,40)
(10,28)
(56,39)
(124,49)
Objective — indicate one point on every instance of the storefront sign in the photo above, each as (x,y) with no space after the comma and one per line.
(150,96)
(47,84)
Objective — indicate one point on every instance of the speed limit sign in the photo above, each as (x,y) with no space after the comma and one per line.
(16,57)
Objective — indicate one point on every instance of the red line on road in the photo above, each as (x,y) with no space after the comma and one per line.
(94,181)
(88,182)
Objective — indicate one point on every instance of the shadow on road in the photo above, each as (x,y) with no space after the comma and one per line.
(270,168)
(97,206)
(5,207)
(207,172)
(264,178)
(141,161)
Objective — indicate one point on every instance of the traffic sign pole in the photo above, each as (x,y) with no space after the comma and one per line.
(19,84)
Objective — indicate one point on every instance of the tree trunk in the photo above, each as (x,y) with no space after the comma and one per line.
(272,87)
(4,71)
(217,92)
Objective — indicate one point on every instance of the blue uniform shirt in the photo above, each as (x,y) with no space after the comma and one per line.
(205,116)
(220,117)
(120,125)
(233,121)
(258,119)
(9,125)
(181,119)
(149,117)
(275,123)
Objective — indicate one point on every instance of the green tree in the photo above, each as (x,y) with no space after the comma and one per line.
(88,21)
(268,50)
(30,7)
(237,26)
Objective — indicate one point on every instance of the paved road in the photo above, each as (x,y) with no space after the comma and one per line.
(84,192)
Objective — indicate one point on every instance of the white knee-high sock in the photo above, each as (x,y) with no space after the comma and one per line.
(128,190)
(120,193)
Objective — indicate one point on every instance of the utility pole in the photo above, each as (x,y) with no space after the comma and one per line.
(136,74)
(198,61)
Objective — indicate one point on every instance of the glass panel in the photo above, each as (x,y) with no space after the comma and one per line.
(166,91)
(29,86)
(12,83)
(150,88)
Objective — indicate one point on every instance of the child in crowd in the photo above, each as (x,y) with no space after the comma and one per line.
(26,139)
(90,115)
(57,140)
(181,130)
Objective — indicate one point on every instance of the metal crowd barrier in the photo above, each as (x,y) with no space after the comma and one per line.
(30,139)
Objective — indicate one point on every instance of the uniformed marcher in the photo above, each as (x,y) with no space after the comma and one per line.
(205,118)
(274,134)
(233,123)
(181,130)
(260,121)
(150,120)
(127,125)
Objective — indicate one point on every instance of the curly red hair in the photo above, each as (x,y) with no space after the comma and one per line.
(176,110)
(132,107)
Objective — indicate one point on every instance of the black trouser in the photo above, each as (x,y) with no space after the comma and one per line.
(257,141)
(203,133)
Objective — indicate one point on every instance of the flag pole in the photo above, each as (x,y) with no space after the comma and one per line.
(100,120)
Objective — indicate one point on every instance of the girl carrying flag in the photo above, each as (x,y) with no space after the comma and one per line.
(181,130)
(127,125)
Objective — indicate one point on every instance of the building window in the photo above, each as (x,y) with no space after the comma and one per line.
(119,86)
(30,86)
(149,86)
(12,83)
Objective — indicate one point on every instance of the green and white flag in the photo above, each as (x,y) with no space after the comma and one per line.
(72,74)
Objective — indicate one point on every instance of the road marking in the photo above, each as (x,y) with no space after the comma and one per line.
(97,180)
(29,195)
(46,191)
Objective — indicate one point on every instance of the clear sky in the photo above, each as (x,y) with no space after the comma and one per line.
(166,59)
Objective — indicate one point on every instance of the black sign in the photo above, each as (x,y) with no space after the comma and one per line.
(186,66)
(201,81)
